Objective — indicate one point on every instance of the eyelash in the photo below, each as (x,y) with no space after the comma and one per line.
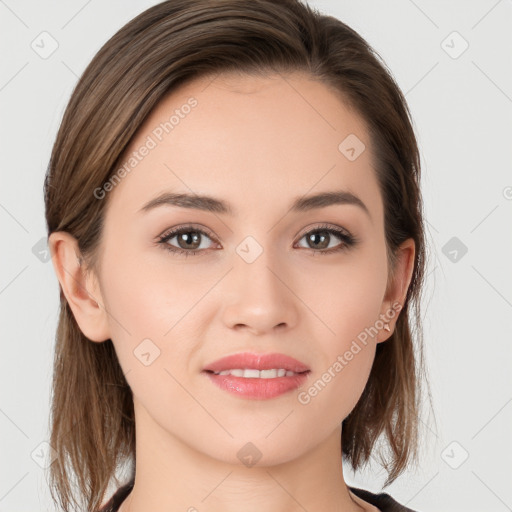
(347,239)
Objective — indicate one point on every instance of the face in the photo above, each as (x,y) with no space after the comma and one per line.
(261,275)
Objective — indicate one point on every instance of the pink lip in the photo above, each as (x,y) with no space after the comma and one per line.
(255,388)
(258,362)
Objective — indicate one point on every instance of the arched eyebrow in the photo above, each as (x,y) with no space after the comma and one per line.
(215,205)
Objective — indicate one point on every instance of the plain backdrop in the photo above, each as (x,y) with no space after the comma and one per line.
(453,61)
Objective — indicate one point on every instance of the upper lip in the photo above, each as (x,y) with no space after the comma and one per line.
(257,361)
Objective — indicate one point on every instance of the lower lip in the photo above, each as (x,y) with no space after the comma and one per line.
(257,389)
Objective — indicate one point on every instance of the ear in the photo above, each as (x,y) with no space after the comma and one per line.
(398,284)
(80,288)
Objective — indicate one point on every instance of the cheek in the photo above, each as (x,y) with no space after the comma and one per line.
(346,295)
(145,314)
(149,296)
(148,323)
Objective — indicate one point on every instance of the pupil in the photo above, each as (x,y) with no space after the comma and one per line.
(190,239)
(314,236)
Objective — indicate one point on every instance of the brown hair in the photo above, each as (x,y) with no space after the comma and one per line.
(92,417)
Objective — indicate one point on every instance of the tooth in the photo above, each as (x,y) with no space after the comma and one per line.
(252,373)
(268,374)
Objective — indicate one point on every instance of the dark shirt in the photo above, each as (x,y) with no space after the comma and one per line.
(384,502)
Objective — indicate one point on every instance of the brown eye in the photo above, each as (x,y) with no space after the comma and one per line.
(189,240)
(318,239)
(322,240)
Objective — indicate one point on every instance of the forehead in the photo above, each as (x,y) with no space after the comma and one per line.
(255,141)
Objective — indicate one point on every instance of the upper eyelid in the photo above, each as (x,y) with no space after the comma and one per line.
(186,227)
(326,226)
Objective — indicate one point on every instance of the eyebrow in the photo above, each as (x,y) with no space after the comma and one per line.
(214,205)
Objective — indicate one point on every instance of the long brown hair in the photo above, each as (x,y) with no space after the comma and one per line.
(92,417)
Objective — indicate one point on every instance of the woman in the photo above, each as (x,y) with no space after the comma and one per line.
(235,220)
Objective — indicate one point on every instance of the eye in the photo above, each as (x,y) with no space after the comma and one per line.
(321,237)
(189,239)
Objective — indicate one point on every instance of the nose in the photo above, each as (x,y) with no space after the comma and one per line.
(258,296)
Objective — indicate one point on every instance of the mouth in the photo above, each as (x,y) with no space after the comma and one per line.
(257,376)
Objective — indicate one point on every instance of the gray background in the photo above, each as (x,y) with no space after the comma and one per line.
(461,102)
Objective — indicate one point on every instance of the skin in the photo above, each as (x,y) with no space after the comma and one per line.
(257,143)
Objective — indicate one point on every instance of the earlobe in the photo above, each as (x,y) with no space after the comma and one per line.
(397,288)
(83,298)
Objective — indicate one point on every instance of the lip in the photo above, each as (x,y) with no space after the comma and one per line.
(257,388)
(257,361)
